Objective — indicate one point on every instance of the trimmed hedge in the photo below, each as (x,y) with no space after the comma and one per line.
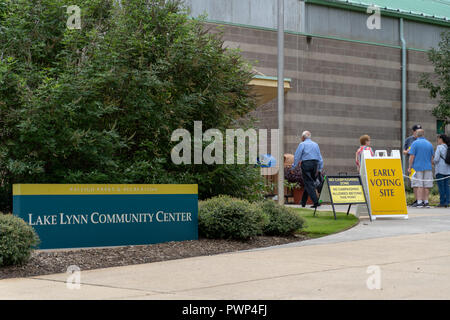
(17,240)
(224,217)
(283,221)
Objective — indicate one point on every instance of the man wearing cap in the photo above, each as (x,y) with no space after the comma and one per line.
(408,142)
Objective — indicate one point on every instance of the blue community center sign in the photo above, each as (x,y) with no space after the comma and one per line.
(94,215)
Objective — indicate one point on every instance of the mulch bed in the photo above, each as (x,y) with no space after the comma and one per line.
(49,262)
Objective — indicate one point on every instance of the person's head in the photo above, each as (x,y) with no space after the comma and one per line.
(415,128)
(364,140)
(420,133)
(443,139)
(306,135)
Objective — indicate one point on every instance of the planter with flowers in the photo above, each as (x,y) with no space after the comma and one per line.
(293,177)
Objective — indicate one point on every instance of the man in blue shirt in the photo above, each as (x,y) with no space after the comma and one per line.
(309,157)
(421,159)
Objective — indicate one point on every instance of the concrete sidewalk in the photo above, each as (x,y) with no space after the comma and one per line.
(419,221)
(412,266)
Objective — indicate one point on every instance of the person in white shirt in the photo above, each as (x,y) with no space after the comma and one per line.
(442,170)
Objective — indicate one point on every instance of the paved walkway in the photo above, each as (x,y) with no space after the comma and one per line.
(413,257)
(419,221)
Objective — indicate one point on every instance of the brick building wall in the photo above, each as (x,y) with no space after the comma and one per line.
(340,91)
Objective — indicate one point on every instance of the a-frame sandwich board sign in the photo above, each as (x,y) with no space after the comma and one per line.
(343,190)
(382,177)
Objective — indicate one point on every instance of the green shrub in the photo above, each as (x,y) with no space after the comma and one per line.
(16,240)
(283,221)
(100,104)
(434,190)
(224,217)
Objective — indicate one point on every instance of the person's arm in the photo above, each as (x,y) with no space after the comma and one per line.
(411,161)
(412,155)
(437,156)
(320,160)
(298,156)
(432,155)
(405,147)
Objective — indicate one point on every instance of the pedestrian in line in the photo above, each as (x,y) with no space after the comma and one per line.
(421,157)
(309,158)
(442,170)
(365,145)
(408,142)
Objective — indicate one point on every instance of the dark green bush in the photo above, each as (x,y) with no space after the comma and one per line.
(17,240)
(224,217)
(283,221)
(99,104)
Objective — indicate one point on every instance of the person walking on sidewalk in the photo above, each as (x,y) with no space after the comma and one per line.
(421,157)
(309,158)
(442,170)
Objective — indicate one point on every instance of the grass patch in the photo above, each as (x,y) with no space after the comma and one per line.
(323,223)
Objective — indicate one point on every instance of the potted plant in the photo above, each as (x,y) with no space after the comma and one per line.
(270,189)
(289,188)
(294,176)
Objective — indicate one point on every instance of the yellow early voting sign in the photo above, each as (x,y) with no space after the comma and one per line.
(383,180)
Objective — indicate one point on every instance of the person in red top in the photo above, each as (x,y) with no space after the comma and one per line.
(365,145)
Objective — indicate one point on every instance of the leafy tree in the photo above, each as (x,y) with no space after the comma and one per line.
(99,104)
(439,82)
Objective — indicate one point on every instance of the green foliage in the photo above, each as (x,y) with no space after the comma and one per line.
(283,221)
(17,240)
(224,217)
(439,82)
(99,105)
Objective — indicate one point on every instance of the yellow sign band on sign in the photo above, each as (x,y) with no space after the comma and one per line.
(98,189)
(346,190)
(350,194)
(385,186)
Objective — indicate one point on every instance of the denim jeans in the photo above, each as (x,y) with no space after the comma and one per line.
(444,189)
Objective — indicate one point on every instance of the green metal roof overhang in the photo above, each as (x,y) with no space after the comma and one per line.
(425,11)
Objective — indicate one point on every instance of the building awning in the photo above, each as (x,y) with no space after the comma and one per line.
(266,88)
